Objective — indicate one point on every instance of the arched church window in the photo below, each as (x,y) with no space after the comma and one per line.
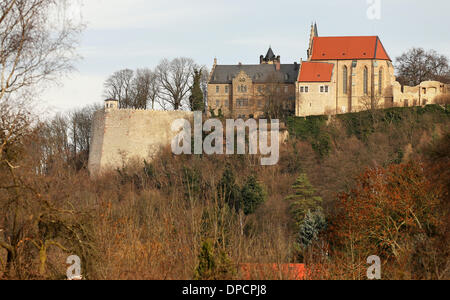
(345,80)
(366,81)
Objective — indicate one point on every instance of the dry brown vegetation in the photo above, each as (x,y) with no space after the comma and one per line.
(152,221)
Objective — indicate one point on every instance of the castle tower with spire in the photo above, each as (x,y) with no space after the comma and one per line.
(270,58)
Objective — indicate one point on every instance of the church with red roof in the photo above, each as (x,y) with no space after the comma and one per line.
(341,74)
(344,74)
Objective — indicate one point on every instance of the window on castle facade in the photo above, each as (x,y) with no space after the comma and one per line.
(226,89)
(217,89)
(324,88)
(345,80)
(366,81)
(242,89)
(260,103)
(260,89)
(242,102)
(304,89)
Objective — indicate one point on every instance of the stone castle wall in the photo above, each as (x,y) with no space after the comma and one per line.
(119,135)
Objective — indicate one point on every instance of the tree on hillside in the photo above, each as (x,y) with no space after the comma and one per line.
(175,80)
(214,263)
(228,189)
(38,41)
(252,195)
(303,200)
(370,103)
(418,65)
(79,134)
(144,89)
(313,224)
(278,101)
(34,47)
(119,86)
(196,101)
(133,89)
(392,212)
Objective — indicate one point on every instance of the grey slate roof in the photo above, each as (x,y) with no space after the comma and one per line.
(270,55)
(264,73)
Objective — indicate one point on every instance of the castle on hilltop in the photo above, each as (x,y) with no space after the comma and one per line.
(342,74)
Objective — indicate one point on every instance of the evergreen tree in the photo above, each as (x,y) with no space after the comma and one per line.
(196,99)
(229,190)
(303,200)
(253,195)
(214,264)
(311,227)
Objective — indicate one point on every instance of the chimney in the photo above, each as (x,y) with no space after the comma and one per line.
(278,65)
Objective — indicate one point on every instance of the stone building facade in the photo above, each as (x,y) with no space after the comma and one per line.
(121,135)
(350,74)
(245,91)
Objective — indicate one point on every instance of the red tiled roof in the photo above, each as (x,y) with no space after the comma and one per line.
(273,271)
(348,47)
(316,72)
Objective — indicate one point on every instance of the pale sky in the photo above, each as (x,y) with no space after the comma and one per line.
(139,33)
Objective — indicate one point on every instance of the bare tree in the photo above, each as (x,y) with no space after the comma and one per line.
(80,123)
(34,47)
(119,87)
(145,89)
(418,65)
(371,103)
(37,44)
(175,80)
(279,102)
